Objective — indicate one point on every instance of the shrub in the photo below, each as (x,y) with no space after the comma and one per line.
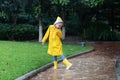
(100,31)
(108,35)
(4,31)
(20,32)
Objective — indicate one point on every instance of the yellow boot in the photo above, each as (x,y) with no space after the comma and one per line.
(67,63)
(55,64)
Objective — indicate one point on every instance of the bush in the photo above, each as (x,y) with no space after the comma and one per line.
(73,26)
(100,31)
(20,32)
(109,35)
(4,31)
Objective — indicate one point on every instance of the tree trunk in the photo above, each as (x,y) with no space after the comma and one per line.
(63,28)
(112,18)
(15,21)
(40,21)
(40,31)
(63,32)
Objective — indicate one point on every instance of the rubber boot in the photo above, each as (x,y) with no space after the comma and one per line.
(55,64)
(67,63)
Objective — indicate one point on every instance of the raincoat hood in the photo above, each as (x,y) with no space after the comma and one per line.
(58,20)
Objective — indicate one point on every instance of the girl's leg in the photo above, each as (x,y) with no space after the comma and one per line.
(66,62)
(55,62)
(55,58)
(62,57)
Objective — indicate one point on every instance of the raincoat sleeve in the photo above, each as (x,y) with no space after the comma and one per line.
(59,33)
(46,35)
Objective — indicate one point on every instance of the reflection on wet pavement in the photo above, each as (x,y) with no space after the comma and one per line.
(96,65)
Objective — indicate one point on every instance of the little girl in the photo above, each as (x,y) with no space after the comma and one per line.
(54,35)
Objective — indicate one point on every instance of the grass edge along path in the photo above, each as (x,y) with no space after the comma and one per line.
(18,58)
(33,73)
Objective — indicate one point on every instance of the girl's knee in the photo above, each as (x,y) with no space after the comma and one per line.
(63,57)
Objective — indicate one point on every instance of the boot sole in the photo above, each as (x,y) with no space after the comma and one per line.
(69,67)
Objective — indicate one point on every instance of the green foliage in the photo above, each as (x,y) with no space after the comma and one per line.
(100,31)
(4,29)
(3,15)
(62,2)
(54,1)
(11,7)
(109,35)
(92,3)
(78,15)
(20,32)
(72,26)
(37,11)
(19,58)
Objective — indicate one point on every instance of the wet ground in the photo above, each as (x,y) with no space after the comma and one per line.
(96,65)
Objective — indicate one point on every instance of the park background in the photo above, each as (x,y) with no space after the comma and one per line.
(90,20)
(24,22)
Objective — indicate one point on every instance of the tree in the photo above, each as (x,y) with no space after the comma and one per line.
(3,15)
(38,15)
(91,3)
(11,8)
(40,20)
(61,4)
(15,11)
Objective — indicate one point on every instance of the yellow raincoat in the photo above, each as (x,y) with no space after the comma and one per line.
(55,45)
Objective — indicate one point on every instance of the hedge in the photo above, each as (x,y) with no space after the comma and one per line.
(19,32)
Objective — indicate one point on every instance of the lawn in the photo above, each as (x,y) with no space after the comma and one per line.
(18,58)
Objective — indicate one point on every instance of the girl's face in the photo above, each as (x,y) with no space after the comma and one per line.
(58,25)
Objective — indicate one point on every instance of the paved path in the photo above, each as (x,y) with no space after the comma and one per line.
(97,65)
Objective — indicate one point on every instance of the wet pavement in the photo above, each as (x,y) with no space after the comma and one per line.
(96,65)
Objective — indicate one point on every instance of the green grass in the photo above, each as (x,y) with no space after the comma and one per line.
(18,58)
